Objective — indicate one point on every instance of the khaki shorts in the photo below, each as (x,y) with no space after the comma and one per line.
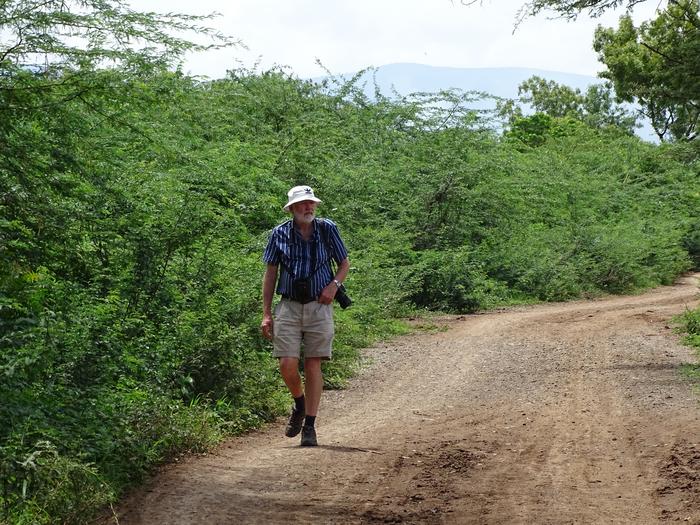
(310,323)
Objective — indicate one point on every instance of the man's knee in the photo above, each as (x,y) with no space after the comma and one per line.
(313,364)
(289,366)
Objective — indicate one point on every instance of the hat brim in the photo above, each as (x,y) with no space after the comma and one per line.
(301,198)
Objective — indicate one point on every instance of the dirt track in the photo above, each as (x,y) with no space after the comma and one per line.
(562,413)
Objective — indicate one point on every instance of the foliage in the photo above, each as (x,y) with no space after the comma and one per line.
(47,44)
(549,97)
(655,65)
(658,65)
(595,108)
(572,8)
(689,325)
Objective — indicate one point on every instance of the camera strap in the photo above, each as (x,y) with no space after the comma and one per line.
(322,226)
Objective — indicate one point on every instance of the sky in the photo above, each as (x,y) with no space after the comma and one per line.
(352,35)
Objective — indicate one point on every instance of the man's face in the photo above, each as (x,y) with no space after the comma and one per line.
(304,211)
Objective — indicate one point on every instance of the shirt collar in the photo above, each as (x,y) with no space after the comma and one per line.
(293,234)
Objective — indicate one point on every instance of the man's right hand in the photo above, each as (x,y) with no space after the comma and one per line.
(266,327)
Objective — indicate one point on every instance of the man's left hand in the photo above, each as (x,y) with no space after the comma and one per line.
(328,294)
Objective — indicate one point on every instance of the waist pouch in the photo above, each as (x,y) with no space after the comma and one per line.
(301,291)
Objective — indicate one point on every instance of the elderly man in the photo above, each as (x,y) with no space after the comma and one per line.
(303,247)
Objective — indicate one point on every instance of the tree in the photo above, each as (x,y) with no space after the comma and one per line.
(51,38)
(600,109)
(54,51)
(54,55)
(596,107)
(658,66)
(556,100)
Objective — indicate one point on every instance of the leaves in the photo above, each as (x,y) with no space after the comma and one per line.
(657,65)
(595,107)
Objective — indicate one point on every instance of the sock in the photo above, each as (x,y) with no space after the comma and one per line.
(299,402)
(309,421)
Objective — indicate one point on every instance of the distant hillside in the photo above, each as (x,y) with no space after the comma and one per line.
(501,82)
(498,81)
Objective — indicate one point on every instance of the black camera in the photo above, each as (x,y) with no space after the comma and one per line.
(301,290)
(342,297)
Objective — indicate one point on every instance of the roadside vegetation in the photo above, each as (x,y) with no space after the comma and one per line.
(689,325)
(135,203)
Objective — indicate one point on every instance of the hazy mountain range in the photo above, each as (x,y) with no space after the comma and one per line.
(406,78)
(498,81)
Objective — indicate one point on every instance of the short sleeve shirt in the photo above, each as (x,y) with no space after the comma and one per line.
(286,248)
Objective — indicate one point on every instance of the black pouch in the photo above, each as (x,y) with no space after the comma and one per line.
(301,290)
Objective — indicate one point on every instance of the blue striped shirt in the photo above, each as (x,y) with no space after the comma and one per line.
(287,248)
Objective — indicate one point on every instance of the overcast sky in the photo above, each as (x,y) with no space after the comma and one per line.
(346,36)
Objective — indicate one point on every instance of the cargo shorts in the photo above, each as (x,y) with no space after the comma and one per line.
(310,324)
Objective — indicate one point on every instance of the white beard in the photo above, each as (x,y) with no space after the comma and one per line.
(304,218)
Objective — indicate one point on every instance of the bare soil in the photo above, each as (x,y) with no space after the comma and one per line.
(559,413)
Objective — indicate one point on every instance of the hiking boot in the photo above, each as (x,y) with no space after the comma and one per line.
(308,436)
(295,422)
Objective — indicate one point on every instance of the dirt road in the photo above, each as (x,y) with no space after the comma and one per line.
(562,413)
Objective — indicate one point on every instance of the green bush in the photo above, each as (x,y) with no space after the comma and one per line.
(690,325)
(41,484)
(454,281)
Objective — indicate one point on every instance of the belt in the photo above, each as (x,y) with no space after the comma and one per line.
(290,298)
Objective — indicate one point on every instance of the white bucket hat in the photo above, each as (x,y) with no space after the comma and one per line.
(299,194)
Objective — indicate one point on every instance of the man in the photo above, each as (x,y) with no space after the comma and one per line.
(303,247)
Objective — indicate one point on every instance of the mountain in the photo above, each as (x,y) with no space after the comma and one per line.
(406,78)
(501,82)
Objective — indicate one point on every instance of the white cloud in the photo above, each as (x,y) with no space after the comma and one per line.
(347,36)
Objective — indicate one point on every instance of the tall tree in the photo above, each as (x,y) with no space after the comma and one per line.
(546,96)
(54,38)
(596,107)
(658,65)
(55,53)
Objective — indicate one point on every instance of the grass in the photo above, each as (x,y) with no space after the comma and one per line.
(689,325)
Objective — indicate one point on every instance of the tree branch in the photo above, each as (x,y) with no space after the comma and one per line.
(114,118)
(11,49)
(653,50)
